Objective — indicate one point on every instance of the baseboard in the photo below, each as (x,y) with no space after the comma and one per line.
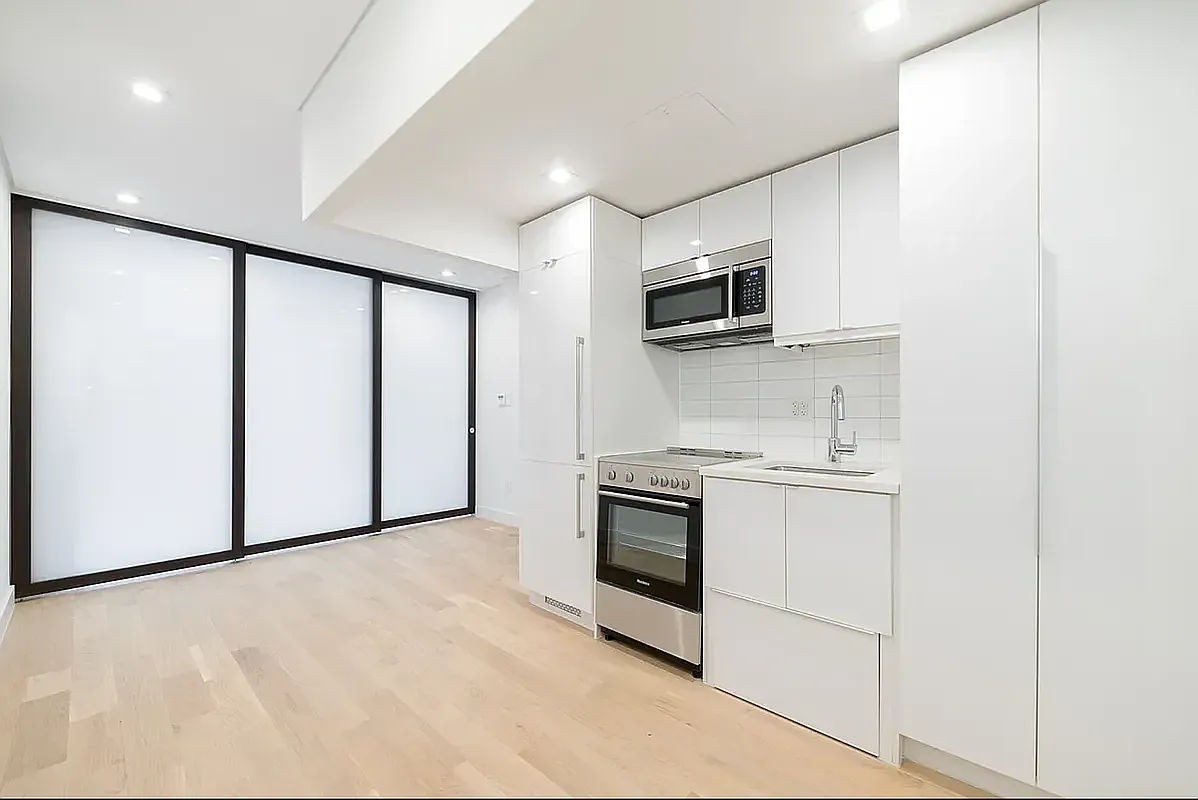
(10,602)
(968,772)
(582,619)
(497,515)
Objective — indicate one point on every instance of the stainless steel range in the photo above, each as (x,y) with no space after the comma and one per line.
(650,547)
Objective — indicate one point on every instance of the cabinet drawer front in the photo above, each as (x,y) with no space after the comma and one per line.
(838,556)
(821,675)
(744,546)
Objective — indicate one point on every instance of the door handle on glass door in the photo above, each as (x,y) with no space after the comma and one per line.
(578,346)
(582,532)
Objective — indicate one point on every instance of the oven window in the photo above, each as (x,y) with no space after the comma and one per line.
(692,301)
(650,543)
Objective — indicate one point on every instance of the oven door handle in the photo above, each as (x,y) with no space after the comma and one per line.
(653,500)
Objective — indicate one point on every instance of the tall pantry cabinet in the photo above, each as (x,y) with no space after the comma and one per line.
(588,387)
(1047,579)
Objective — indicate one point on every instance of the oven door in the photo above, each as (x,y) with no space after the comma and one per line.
(687,305)
(650,545)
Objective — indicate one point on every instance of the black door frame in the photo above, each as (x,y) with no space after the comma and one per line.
(22,391)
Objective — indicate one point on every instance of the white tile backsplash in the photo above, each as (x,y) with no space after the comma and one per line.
(744,398)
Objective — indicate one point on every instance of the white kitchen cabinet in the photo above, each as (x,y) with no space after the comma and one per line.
(968,115)
(821,675)
(555,306)
(557,541)
(1119,551)
(806,248)
(744,541)
(869,233)
(735,217)
(670,236)
(838,563)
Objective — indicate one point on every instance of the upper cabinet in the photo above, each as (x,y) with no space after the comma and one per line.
(807,247)
(670,236)
(836,246)
(869,233)
(735,217)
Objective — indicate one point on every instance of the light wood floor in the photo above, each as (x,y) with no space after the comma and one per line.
(406,663)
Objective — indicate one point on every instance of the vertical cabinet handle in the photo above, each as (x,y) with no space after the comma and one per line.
(578,346)
(582,531)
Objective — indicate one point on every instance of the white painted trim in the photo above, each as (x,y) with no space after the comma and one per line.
(968,772)
(842,335)
(10,602)
(497,515)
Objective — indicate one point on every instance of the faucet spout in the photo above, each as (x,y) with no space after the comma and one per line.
(837,448)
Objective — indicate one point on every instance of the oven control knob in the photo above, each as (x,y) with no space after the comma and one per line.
(652,480)
(673,483)
(686,483)
(611,474)
(628,477)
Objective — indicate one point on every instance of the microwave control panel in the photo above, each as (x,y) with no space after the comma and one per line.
(750,291)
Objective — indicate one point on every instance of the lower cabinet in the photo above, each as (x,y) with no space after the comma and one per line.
(818,674)
(557,541)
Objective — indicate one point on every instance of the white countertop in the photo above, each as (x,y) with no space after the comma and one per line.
(884,480)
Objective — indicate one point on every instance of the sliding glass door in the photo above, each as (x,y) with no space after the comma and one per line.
(308,402)
(131,406)
(181,399)
(425,402)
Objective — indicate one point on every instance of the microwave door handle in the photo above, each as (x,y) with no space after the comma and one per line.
(732,319)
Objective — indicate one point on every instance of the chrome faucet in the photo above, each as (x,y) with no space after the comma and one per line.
(837,448)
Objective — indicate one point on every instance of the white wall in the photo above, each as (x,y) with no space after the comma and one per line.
(5,438)
(742,398)
(496,442)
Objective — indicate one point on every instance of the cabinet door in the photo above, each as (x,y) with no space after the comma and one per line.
(869,233)
(838,556)
(806,266)
(670,236)
(967,581)
(557,523)
(821,675)
(1119,550)
(736,216)
(744,539)
(554,314)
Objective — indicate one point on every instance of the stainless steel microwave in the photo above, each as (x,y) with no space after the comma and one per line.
(718,299)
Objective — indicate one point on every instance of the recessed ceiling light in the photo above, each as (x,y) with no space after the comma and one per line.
(119,229)
(882,14)
(534,291)
(148,92)
(696,242)
(362,308)
(128,198)
(560,175)
(448,273)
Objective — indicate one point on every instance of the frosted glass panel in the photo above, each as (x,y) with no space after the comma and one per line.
(132,397)
(307,400)
(426,338)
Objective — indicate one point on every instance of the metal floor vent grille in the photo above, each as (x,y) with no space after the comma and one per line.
(560,606)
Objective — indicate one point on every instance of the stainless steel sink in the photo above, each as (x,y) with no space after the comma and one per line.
(855,473)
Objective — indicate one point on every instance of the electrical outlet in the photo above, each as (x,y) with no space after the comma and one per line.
(800,408)
(502,399)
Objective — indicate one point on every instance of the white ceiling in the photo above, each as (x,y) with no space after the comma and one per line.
(650,102)
(222,154)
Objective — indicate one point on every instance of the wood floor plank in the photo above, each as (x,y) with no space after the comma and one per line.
(405,663)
